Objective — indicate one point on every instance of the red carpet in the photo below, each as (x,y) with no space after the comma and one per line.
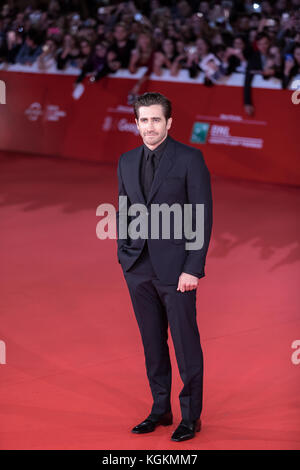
(74,376)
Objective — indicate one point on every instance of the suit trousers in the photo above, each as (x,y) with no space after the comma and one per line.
(157,305)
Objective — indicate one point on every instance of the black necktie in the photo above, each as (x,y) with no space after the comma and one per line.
(150,170)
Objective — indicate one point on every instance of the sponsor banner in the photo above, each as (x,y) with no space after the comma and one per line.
(43,115)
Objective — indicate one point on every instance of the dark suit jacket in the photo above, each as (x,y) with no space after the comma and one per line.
(182,177)
(254,63)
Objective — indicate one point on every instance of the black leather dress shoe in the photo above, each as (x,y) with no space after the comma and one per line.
(150,423)
(186,430)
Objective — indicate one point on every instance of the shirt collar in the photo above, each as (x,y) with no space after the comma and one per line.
(158,150)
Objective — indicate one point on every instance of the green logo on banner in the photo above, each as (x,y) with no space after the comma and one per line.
(199,133)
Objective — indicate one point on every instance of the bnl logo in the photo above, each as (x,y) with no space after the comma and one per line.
(2,92)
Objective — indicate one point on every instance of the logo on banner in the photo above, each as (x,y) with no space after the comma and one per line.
(34,111)
(199,132)
(2,92)
(204,132)
(119,124)
(52,112)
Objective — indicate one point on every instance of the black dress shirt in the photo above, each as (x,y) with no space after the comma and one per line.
(158,155)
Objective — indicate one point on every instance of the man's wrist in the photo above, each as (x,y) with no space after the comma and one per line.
(192,274)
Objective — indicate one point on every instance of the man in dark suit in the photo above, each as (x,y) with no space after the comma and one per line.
(161,273)
(256,65)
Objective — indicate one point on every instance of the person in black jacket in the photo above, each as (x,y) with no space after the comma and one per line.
(100,63)
(162,271)
(11,46)
(122,45)
(256,64)
(237,55)
(68,53)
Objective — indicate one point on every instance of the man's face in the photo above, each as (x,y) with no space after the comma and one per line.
(29,42)
(297,54)
(263,45)
(120,33)
(238,44)
(152,125)
(100,50)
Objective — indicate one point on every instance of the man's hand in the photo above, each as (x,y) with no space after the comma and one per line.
(249,109)
(187,282)
(288,65)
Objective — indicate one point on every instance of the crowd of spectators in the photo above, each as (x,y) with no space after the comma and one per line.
(212,38)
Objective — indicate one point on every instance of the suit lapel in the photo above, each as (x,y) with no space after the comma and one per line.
(134,173)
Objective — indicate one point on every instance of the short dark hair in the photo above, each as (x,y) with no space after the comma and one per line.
(262,35)
(34,36)
(150,98)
